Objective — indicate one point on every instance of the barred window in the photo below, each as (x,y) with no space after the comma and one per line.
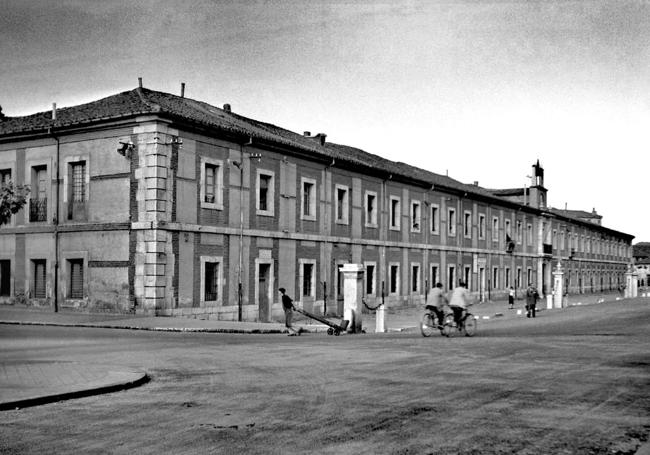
(211,281)
(39,278)
(76,278)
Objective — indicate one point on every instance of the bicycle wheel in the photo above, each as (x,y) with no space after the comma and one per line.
(470,325)
(428,324)
(448,326)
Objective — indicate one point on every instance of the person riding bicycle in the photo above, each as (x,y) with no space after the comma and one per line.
(460,300)
(438,302)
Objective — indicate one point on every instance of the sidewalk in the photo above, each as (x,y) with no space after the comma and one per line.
(25,384)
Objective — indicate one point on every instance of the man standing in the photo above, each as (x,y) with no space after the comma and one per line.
(287,306)
(531,301)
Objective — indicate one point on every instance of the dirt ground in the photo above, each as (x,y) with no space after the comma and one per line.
(574,381)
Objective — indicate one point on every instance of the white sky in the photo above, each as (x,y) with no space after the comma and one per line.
(478,89)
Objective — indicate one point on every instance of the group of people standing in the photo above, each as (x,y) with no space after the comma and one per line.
(531,300)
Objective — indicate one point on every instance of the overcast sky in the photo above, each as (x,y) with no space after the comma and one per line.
(476,89)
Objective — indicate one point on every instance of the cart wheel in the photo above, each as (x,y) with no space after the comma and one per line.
(337,333)
(330,331)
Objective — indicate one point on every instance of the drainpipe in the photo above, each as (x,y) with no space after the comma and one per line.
(50,131)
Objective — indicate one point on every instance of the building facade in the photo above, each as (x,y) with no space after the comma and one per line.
(150,202)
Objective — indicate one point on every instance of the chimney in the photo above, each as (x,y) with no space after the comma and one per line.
(475,182)
(182,89)
(307,134)
(226,107)
(53,111)
(140,82)
(321,137)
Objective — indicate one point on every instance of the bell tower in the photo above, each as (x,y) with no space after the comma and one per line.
(537,192)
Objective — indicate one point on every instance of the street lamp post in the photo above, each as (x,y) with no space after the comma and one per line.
(240,166)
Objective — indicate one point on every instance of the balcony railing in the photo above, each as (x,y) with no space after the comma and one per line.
(38,210)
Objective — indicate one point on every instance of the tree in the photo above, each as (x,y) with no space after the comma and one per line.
(12,199)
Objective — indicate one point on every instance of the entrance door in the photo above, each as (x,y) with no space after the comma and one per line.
(263,284)
(481,283)
(339,290)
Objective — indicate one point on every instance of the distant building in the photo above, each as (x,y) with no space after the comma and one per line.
(641,254)
(155,203)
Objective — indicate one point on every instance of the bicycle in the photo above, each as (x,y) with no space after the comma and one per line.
(468,325)
(430,322)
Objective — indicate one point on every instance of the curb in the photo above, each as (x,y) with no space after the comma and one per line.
(46,399)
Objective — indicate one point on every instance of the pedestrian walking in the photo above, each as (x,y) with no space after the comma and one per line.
(287,306)
(511,297)
(531,301)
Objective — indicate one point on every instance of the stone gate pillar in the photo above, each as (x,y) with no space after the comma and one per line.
(352,295)
(631,283)
(558,286)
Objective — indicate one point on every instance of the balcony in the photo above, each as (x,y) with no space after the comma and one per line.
(37,210)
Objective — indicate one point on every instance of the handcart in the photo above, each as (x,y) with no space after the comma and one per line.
(334,328)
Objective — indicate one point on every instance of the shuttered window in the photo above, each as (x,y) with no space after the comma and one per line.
(39,278)
(76,278)
(78,173)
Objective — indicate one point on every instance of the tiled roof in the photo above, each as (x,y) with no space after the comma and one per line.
(507,192)
(579,214)
(144,101)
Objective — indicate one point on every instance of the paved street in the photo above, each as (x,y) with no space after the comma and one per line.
(570,381)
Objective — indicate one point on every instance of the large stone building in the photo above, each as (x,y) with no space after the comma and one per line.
(150,202)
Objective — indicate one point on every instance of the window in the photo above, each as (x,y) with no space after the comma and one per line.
(5,278)
(467,224)
(435,276)
(451,218)
(435,219)
(211,279)
(76,282)
(211,193)
(308,199)
(467,277)
(495,278)
(370,278)
(519,232)
(451,277)
(529,276)
(342,204)
(416,218)
(481,226)
(38,199)
(415,278)
(211,173)
(495,229)
(39,278)
(508,230)
(507,277)
(77,191)
(308,278)
(393,285)
(529,229)
(394,213)
(5,177)
(265,193)
(518,282)
(371,209)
